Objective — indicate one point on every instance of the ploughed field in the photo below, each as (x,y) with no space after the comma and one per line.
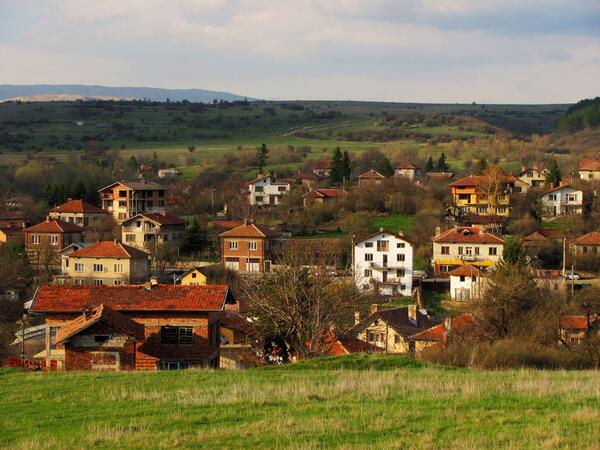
(349,402)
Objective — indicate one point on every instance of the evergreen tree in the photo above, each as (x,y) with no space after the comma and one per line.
(442,166)
(337,167)
(195,237)
(554,176)
(79,191)
(346,165)
(262,154)
(514,253)
(385,167)
(50,195)
(429,165)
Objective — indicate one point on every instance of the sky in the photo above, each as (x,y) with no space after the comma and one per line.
(488,51)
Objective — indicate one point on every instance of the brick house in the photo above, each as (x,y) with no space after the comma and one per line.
(129,198)
(105,262)
(78,212)
(370,178)
(321,196)
(146,229)
(249,247)
(147,327)
(44,240)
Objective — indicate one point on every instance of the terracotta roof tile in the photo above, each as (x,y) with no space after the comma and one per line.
(160,218)
(466,270)
(250,230)
(105,314)
(589,164)
(592,238)
(406,166)
(55,226)
(574,322)
(467,235)
(78,207)
(161,297)
(438,333)
(326,193)
(558,188)
(371,175)
(108,249)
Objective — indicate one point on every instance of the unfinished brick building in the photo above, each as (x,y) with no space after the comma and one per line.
(150,327)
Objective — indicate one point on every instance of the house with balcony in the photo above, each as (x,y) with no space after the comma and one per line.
(126,199)
(146,327)
(562,200)
(266,190)
(465,246)
(147,229)
(45,240)
(249,247)
(104,263)
(476,195)
(383,262)
(78,212)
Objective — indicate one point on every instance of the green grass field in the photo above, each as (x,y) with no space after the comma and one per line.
(349,402)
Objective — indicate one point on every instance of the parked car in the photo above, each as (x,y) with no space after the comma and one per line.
(572,276)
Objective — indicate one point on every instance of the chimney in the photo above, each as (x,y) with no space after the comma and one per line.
(153,281)
(438,230)
(400,232)
(412,313)
(448,324)
(356,317)
(87,312)
(374,308)
(69,199)
(381,229)
(148,285)
(246,221)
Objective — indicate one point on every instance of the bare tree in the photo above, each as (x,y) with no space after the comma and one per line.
(301,305)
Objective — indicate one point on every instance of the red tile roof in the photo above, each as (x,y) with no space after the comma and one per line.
(108,249)
(105,314)
(78,207)
(225,224)
(589,164)
(160,218)
(236,321)
(475,180)
(574,322)
(558,188)
(468,235)
(406,166)
(326,193)
(543,234)
(55,226)
(441,175)
(161,297)
(323,164)
(250,230)
(371,175)
(592,238)
(466,270)
(438,333)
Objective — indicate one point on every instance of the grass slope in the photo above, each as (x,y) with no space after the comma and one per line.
(351,402)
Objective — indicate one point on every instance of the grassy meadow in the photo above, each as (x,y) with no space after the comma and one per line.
(348,402)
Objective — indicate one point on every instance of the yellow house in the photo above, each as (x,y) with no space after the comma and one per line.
(105,263)
(193,277)
(475,195)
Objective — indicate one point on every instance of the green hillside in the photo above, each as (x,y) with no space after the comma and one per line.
(351,402)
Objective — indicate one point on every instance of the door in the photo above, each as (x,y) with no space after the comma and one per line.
(384,275)
(385,260)
(252,264)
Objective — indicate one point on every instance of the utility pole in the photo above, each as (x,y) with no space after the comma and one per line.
(564,257)
(572,280)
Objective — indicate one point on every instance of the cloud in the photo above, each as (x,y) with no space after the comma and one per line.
(428,50)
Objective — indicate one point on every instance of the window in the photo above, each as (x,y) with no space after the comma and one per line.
(232,245)
(282,189)
(462,278)
(400,273)
(98,282)
(98,268)
(176,335)
(118,268)
(66,262)
(252,245)
(258,189)
(501,209)
(468,250)
(374,337)
(397,339)
(101,338)
(368,256)
(460,250)
(122,194)
(382,246)
(122,204)
(53,239)
(118,282)
(369,244)
(161,203)
(368,273)
(78,282)
(400,257)
(79,267)
(445,250)
(400,245)
(259,199)
(477,250)
(193,274)
(130,238)
(35,239)
(493,251)
(571,197)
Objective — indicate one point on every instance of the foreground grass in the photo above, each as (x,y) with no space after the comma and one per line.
(352,402)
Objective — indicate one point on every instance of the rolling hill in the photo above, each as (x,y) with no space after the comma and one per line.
(46,92)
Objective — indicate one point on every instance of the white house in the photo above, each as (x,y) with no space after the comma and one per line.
(266,190)
(408,170)
(465,283)
(589,169)
(561,201)
(384,262)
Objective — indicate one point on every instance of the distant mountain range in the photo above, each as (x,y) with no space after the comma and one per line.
(66,92)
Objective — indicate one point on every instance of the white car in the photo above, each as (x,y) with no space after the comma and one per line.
(572,276)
